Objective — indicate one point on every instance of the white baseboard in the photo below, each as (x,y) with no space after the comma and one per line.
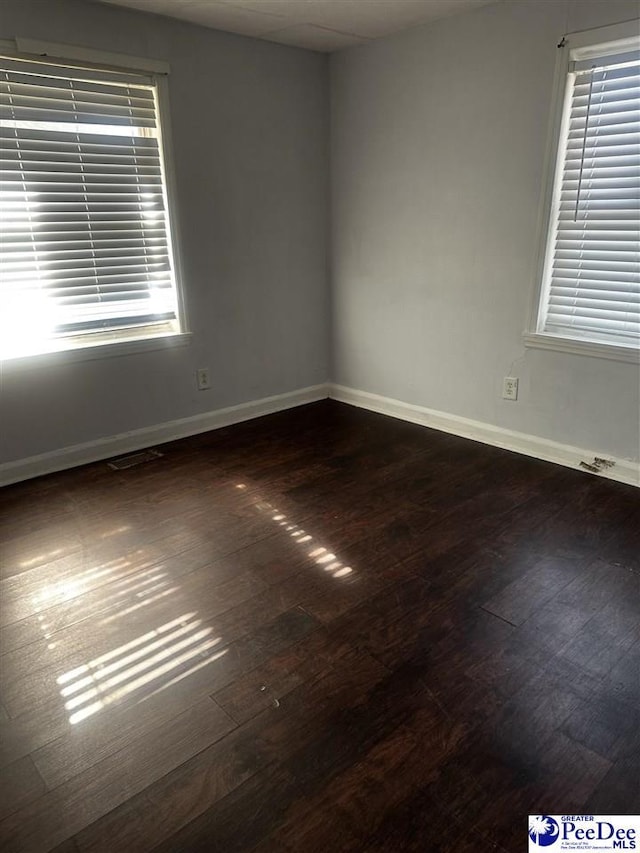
(128,442)
(623,470)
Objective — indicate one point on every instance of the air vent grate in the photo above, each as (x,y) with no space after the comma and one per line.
(133,459)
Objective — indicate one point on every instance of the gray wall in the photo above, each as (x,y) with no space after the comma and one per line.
(438,143)
(249,122)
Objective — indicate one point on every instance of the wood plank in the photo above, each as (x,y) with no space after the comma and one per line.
(478,660)
(177,798)
(23,690)
(531,592)
(65,750)
(275,731)
(59,814)
(20,783)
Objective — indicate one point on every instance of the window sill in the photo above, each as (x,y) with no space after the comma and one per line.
(537,340)
(91,352)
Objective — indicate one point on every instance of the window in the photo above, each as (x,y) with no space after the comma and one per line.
(86,249)
(590,290)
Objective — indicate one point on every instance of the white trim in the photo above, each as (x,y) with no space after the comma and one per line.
(545,212)
(540,340)
(127,442)
(120,344)
(624,470)
(79,53)
(581,41)
(572,46)
(167,164)
(91,352)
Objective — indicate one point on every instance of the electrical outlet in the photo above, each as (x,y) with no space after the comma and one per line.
(510,388)
(203,379)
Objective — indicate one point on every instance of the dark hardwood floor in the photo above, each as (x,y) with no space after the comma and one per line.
(324,630)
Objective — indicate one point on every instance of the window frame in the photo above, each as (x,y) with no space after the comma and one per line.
(534,337)
(32,50)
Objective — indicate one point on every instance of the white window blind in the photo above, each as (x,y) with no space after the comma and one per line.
(592,271)
(85,246)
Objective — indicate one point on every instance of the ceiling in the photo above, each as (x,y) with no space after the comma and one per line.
(324,25)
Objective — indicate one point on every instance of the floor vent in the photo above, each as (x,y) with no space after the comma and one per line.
(123,462)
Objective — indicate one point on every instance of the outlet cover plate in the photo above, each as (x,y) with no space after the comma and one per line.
(203,379)
(510,388)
